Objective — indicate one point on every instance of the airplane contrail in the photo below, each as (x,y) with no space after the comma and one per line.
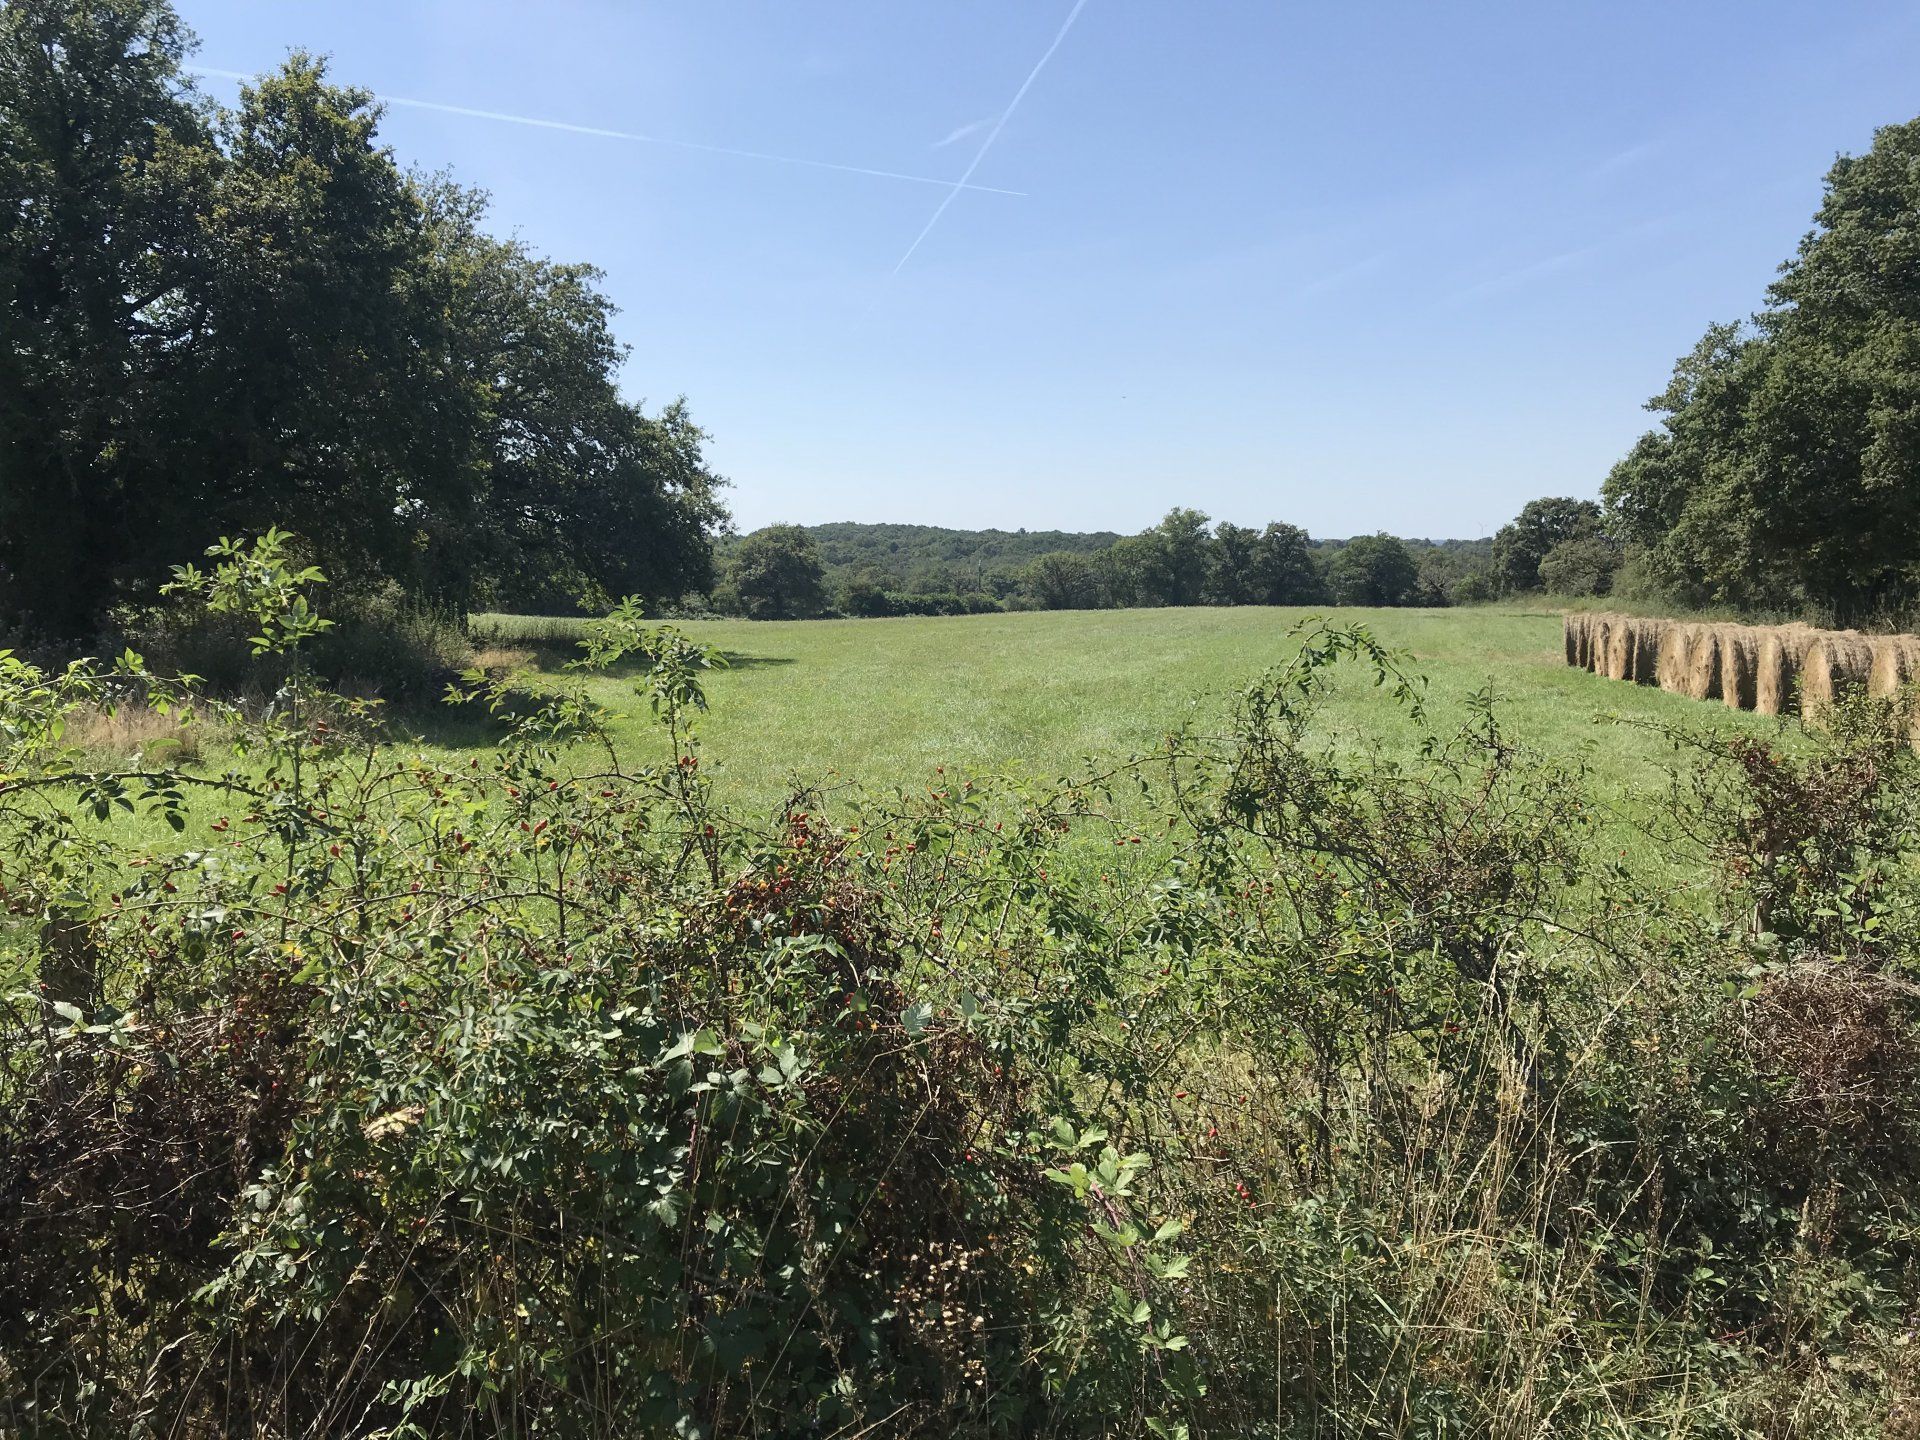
(993,135)
(603,134)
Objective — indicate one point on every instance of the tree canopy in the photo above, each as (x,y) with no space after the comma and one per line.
(1524,541)
(1786,471)
(1373,570)
(777,574)
(217,320)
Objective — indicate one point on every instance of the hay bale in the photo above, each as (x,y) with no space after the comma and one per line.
(1580,626)
(1896,664)
(1570,636)
(1783,650)
(1837,666)
(1648,637)
(1676,655)
(1703,662)
(1602,638)
(1619,657)
(1739,666)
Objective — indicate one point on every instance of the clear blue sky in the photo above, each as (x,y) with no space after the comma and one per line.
(1361,266)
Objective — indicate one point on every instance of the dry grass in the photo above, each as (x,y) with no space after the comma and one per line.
(499,660)
(137,730)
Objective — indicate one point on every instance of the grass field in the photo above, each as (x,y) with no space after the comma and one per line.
(883,702)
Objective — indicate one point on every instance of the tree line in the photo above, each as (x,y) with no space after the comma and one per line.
(216,319)
(794,571)
(1784,476)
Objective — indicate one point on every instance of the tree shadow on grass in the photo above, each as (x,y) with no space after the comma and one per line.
(737,661)
(554,659)
(469,726)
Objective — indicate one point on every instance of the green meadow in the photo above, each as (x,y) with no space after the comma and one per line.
(882,703)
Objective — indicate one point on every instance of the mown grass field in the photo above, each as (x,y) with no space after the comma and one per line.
(881,703)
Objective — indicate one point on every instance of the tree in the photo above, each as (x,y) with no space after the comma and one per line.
(215,321)
(1784,472)
(1373,570)
(1584,565)
(1063,580)
(777,574)
(1232,567)
(1541,524)
(863,593)
(1133,571)
(1284,572)
(1183,546)
(104,157)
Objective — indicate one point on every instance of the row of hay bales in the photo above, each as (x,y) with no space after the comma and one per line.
(1771,669)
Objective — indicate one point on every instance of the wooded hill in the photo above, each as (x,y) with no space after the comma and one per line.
(933,559)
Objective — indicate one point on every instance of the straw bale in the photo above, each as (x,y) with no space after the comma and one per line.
(1648,637)
(1739,666)
(1838,665)
(1676,654)
(1896,664)
(1783,650)
(1703,662)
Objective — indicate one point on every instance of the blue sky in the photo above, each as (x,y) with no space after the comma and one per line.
(1361,266)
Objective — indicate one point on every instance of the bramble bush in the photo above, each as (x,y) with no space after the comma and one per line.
(1249,1087)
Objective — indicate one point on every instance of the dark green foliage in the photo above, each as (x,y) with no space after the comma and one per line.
(929,558)
(1373,570)
(1526,540)
(1283,569)
(1584,565)
(1783,476)
(775,574)
(215,320)
(1064,580)
(875,570)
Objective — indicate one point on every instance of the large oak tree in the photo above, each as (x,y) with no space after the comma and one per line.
(214,320)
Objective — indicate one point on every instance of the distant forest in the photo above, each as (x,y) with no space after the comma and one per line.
(847,568)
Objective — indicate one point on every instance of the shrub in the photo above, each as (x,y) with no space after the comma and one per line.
(380,645)
(1254,1086)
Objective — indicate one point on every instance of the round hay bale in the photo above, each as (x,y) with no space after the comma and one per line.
(1783,650)
(1837,666)
(1570,636)
(1676,654)
(1896,664)
(1601,639)
(1739,666)
(1703,662)
(1619,657)
(1648,636)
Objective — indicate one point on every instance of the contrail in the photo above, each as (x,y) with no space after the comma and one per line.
(595,130)
(993,135)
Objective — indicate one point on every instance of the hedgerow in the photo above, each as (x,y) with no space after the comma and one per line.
(1252,1086)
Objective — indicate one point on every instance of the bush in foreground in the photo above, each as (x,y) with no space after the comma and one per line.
(1250,1087)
